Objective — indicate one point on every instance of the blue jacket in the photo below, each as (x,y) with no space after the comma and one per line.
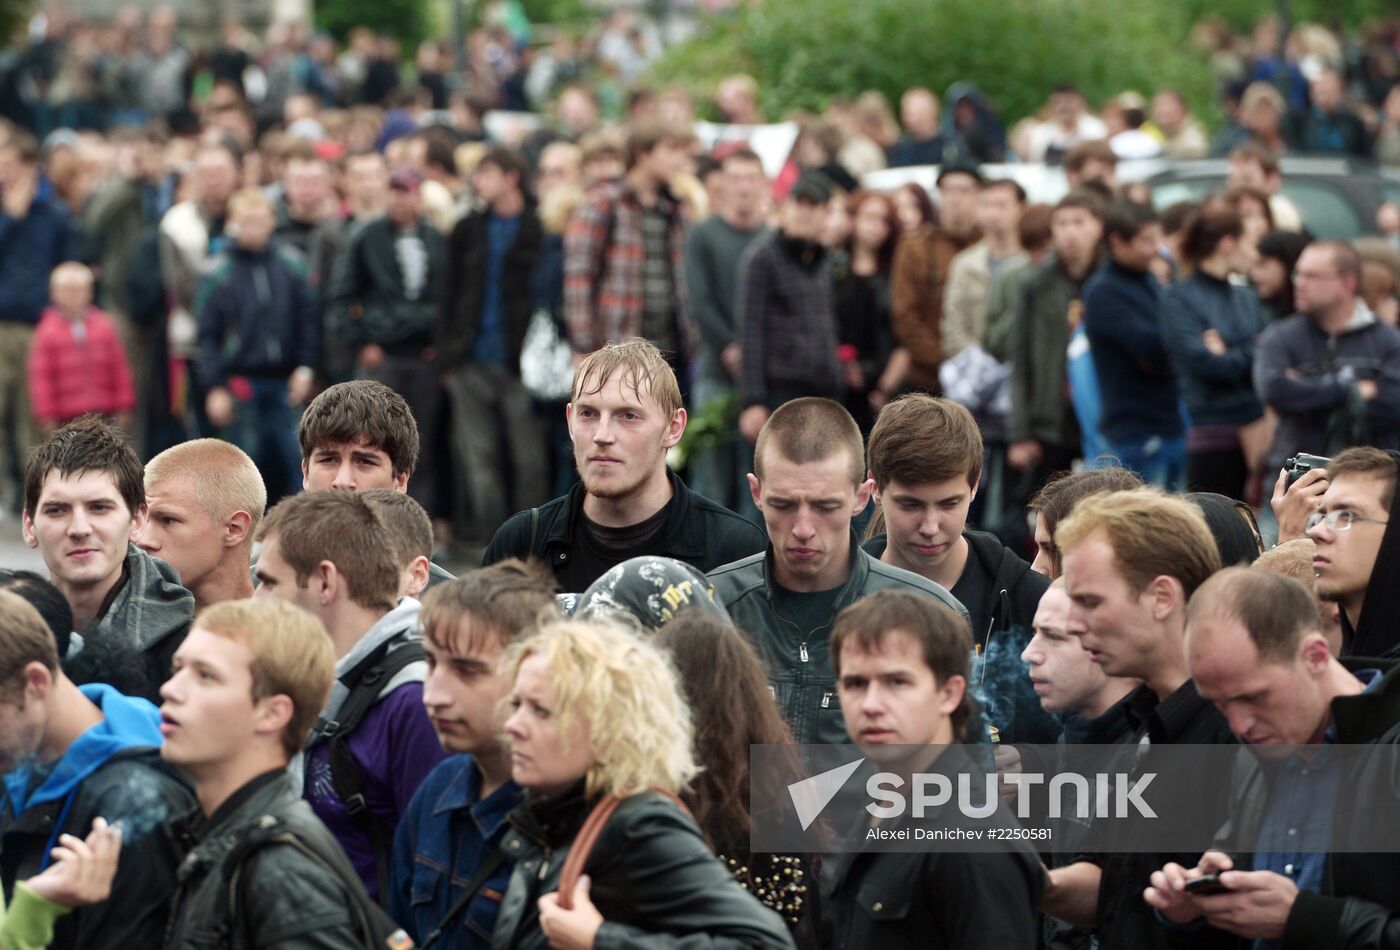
(443,840)
(112,770)
(30,248)
(257,316)
(1218,389)
(1139,390)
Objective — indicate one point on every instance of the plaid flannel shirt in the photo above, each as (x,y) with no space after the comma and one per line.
(603,264)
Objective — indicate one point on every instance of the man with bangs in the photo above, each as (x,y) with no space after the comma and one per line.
(448,872)
(84,505)
(359,436)
(624,417)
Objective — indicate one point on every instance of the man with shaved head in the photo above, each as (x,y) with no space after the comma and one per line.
(206,497)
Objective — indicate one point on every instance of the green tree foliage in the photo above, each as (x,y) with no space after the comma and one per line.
(805,52)
(409,20)
(13,16)
(1242,14)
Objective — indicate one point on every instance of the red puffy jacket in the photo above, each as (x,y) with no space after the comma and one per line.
(69,377)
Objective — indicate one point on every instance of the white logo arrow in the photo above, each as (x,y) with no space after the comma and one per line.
(811,795)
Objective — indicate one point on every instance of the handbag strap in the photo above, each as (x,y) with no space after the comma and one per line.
(587,837)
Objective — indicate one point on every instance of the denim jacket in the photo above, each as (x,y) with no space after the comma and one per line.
(446,835)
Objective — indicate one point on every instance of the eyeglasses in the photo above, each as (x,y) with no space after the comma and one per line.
(1340,520)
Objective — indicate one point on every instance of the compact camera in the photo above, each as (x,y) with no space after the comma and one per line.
(1300,464)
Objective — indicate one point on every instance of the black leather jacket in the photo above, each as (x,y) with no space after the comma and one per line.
(136,790)
(654,881)
(290,901)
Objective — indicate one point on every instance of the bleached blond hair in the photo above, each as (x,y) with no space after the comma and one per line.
(626,694)
(223,477)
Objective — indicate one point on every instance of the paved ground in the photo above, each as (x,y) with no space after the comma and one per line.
(13,552)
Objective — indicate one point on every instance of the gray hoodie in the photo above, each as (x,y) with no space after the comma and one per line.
(130,646)
(402,622)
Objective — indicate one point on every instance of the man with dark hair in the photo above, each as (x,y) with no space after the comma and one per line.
(1141,420)
(84,506)
(83,753)
(624,253)
(44,597)
(714,253)
(922,260)
(925,456)
(809,483)
(1356,557)
(1255,648)
(358,436)
(901,664)
(624,416)
(451,832)
(486,307)
(330,553)
(1332,370)
(383,298)
(35,237)
(786,310)
(1132,560)
(1042,432)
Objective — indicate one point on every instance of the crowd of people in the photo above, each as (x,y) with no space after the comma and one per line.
(197,239)
(756,457)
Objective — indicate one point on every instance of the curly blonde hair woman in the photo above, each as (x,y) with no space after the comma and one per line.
(599,712)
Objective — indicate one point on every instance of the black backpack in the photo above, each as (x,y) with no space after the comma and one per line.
(364,680)
(377,931)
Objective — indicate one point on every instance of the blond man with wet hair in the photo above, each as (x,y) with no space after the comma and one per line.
(625,415)
(205,498)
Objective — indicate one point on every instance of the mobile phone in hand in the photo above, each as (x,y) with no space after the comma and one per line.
(1206,884)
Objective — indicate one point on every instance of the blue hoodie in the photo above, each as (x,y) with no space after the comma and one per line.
(126,723)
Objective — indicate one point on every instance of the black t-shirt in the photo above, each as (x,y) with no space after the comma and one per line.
(811,614)
(972,590)
(599,548)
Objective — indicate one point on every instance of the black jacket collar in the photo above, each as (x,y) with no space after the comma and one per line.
(681,535)
(1367,716)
